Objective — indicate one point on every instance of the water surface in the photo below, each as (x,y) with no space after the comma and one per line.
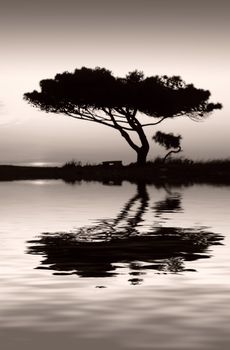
(123,267)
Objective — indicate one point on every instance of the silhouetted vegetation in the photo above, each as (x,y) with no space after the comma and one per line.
(168,141)
(96,251)
(174,171)
(72,165)
(97,96)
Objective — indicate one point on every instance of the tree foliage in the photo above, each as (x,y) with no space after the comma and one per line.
(98,96)
(168,141)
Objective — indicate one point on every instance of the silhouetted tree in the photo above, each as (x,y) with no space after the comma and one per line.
(168,141)
(96,95)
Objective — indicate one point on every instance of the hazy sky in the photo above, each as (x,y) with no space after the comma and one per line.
(174,37)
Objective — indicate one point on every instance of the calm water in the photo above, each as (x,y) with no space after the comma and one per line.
(92,266)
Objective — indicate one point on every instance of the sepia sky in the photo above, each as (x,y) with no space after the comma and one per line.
(173,37)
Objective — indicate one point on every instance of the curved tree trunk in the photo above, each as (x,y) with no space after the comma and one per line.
(136,126)
(142,151)
(169,153)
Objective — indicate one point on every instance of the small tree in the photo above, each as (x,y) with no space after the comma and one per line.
(168,141)
(97,96)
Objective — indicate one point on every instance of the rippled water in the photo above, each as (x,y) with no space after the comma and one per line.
(92,266)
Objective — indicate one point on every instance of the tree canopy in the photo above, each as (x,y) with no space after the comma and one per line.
(98,96)
(168,141)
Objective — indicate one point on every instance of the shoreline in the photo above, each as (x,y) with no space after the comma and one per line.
(174,172)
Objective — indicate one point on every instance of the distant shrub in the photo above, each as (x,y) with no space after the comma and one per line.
(71,165)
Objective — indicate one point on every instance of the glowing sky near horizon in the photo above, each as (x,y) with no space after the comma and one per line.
(40,39)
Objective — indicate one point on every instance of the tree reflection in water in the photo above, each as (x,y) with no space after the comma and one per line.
(99,250)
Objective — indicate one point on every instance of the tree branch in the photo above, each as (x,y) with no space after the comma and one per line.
(120,110)
(94,118)
(122,130)
(136,125)
(116,122)
(159,121)
(86,118)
